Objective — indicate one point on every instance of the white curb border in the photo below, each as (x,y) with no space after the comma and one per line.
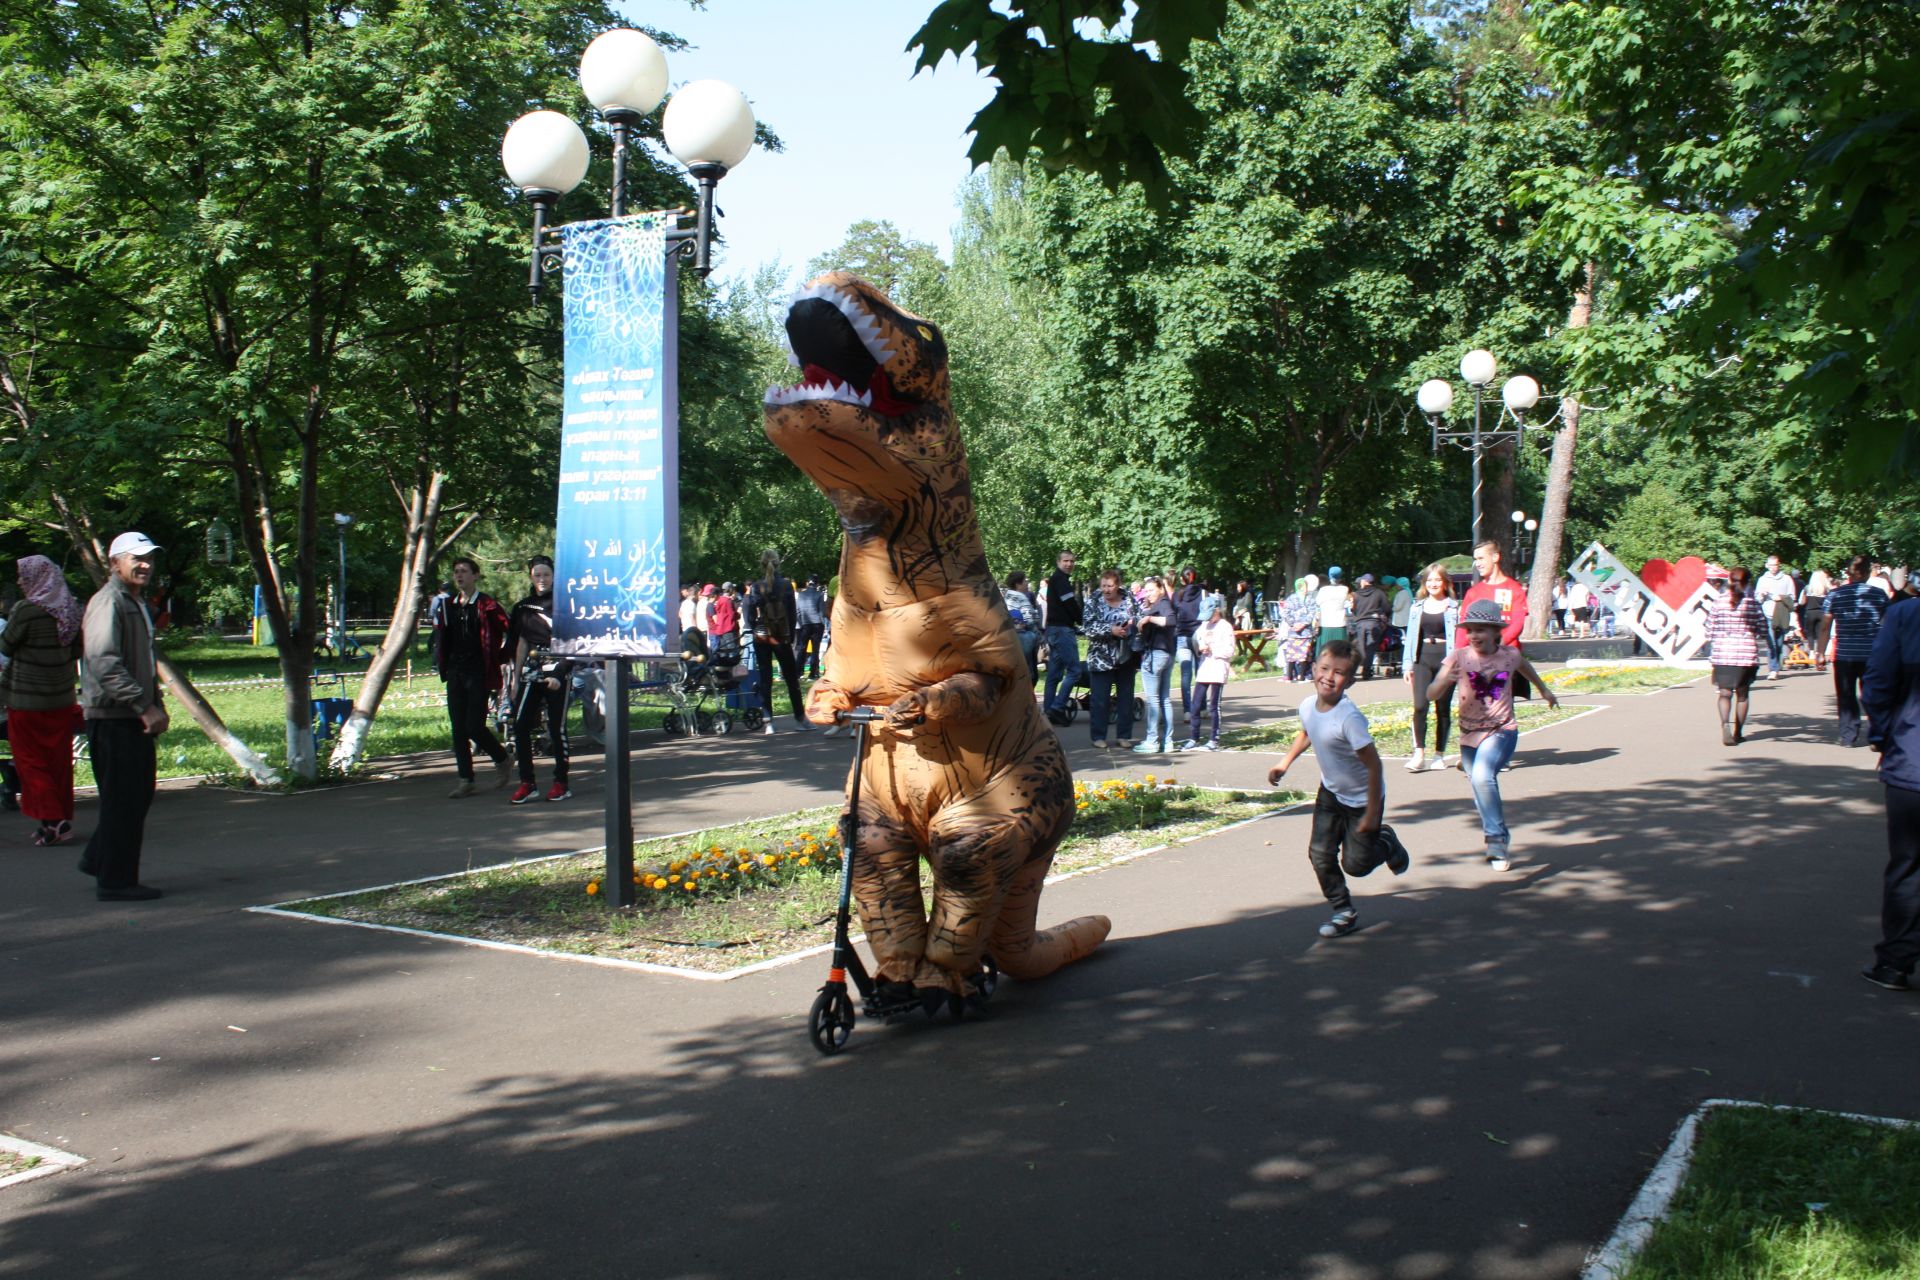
(52,1160)
(1649,1208)
(668,970)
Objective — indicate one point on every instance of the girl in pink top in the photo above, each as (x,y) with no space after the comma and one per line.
(1485,671)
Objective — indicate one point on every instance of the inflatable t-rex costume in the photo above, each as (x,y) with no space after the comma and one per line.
(963,771)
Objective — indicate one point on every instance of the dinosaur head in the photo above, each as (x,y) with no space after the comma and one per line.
(871,423)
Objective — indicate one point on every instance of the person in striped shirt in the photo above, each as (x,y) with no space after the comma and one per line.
(1856,609)
(1736,632)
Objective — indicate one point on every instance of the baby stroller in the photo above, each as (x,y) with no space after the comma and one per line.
(1081,699)
(1797,652)
(701,678)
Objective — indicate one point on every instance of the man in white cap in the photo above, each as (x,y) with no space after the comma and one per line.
(121,696)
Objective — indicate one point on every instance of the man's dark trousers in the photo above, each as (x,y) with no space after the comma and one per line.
(764,656)
(1846,692)
(806,646)
(122,754)
(1899,946)
(467,714)
(554,703)
(1366,637)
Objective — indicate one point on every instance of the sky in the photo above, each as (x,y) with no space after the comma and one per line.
(865,138)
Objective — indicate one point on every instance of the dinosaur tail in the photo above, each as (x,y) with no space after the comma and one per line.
(1020,950)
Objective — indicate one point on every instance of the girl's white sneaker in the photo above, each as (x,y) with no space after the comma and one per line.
(1438,764)
(1418,762)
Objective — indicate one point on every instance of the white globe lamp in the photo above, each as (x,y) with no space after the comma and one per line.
(1521,393)
(1436,397)
(1477,367)
(544,151)
(623,72)
(708,124)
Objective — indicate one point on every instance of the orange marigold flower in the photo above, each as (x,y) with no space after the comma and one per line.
(593,887)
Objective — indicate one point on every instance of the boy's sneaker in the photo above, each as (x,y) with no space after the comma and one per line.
(1343,923)
(1884,975)
(502,771)
(1497,856)
(559,791)
(461,789)
(521,794)
(1399,859)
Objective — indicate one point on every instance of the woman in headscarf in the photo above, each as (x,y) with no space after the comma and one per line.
(1296,627)
(42,644)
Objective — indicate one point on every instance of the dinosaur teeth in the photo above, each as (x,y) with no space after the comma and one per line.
(865,327)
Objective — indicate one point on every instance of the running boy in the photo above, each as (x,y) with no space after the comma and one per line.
(1346,812)
(1488,729)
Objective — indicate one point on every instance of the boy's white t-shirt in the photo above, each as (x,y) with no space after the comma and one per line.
(1338,736)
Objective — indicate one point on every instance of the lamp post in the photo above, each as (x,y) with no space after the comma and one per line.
(709,128)
(341,523)
(1518,394)
(1524,527)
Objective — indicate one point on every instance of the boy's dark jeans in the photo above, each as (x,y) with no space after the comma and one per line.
(1338,842)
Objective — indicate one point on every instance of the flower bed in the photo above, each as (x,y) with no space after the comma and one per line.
(722,899)
(1625,678)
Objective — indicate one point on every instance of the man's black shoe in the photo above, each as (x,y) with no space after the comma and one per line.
(131,893)
(1882,975)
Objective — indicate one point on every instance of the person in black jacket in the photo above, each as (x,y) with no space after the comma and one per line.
(769,617)
(1186,619)
(1063,614)
(1371,610)
(540,683)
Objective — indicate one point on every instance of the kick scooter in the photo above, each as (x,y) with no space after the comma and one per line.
(830,1022)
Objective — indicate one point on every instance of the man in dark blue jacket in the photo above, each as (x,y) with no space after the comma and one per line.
(1890,695)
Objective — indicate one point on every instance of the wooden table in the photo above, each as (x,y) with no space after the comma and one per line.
(1252,645)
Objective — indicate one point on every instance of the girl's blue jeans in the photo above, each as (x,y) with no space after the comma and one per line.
(1484,764)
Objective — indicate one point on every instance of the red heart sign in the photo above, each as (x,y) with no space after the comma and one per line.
(1673,583)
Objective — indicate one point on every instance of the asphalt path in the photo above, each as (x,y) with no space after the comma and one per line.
(1471,1086)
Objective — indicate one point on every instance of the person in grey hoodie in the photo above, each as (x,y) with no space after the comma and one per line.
(121,698)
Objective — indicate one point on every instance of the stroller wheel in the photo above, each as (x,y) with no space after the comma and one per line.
(703,720)
(722,724)
(674,724)
(1069,712)
(831,1020)
(753,717)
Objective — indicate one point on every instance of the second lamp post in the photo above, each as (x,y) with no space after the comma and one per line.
(1518,394)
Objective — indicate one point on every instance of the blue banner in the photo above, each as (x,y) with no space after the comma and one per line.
(617,534)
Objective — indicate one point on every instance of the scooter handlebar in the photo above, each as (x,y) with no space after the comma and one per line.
(861,715)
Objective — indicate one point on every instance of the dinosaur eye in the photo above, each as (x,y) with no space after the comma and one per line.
(925,333)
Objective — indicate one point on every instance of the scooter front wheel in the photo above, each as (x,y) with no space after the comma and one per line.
(831,1021)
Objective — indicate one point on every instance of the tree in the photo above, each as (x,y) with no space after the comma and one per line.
(268,232)
(1236,375)
(1753,182)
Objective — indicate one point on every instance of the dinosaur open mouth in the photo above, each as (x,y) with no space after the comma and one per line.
(840,352)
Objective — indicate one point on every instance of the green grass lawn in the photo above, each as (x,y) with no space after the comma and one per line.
(413,716)
(735,895)
(1791,1195)
(1391,724)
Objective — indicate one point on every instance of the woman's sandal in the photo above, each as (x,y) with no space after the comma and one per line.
(53,833)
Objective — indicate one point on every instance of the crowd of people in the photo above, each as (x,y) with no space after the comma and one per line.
(65,670)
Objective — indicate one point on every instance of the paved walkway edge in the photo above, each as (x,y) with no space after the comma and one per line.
(1649,1208)
(52,1159)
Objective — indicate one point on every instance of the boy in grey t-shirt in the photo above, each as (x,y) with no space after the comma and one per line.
(1347,830)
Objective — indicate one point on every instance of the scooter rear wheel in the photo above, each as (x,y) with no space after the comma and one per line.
(831,1021)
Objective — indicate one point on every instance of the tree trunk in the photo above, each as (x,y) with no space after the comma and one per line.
(418,557)
(1553,515)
